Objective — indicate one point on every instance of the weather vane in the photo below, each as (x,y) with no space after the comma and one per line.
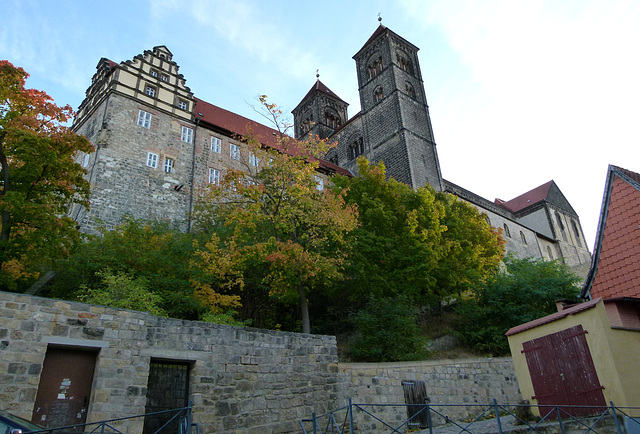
(317,73)
(379,17)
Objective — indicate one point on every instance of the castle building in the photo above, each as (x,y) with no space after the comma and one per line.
(157,144)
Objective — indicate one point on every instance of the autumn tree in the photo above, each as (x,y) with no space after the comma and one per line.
(274,216)
(422,244)
(39,179)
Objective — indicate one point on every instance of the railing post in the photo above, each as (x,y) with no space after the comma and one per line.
(351,431)
(559,419)
(495,409)
(313,422)
(615,417)
(429,417)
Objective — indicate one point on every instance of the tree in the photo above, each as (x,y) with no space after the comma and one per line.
(273,216)
(153,252)
(421,244)
(39,179)
(526,289)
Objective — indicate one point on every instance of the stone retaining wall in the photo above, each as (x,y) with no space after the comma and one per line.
(240,379)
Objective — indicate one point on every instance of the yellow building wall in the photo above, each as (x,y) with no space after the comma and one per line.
(615,355)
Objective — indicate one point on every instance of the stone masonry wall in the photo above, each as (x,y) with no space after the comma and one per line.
(451,382)
(240,379)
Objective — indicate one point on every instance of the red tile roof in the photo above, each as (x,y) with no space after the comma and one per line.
(581,307)
(239,125)
(617,268)
(527,199)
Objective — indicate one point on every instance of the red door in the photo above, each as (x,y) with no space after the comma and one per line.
(64,389)
(562,372)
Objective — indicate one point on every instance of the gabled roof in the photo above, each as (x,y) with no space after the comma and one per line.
(615,266)
(379,31)
(235,124)
(319,86)
(548,192)
(581,307)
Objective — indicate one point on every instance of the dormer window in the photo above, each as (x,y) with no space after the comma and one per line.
(150,90)
(182,104)
(165,78)
(154,73)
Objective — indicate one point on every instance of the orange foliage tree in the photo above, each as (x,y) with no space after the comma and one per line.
(39,179)
(275,213)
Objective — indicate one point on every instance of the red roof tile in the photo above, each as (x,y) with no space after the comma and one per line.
(553,317)
(527,199)
(239,125)
(619,259)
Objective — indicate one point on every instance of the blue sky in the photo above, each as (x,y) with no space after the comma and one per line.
(520,91)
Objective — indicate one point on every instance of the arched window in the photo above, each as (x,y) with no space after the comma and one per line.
(306,125)
(333,158)
(561,226)
(507,232)
(523,237)
(549,252)
(356,148)
(576,232)
(375,66)
(404,63)
(487,219)
(410,90)
(332,120)
(378,94)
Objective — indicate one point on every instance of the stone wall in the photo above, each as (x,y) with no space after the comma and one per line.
(240,379)
(474,382)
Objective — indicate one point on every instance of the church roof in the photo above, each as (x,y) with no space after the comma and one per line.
(547,192)
(615,268)
(319,86)
(236,124)
(379,31)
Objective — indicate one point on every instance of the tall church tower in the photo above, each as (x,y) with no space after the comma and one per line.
(320,113)
(396,126)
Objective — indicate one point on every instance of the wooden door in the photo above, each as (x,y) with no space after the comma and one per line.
(563,373)
(65,388)
(167,389)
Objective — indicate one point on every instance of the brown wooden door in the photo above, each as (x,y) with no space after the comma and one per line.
(65,388)
(562,371)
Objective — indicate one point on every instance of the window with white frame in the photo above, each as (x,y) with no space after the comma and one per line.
(152,159)
(234,151)
(150,90)
(319,183)
(85,163)
(182,104)
(154,73)
(187,134)
(144,119)
(165,77)
(168,165)
(214,176)
(253,160)
(216,144)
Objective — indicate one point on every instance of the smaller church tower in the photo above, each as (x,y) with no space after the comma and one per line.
(320,113)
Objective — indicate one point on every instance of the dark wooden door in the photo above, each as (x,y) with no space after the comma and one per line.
(415,396)
(65,388)
(563,373)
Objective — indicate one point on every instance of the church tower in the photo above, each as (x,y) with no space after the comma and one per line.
(394,121)
(320,113)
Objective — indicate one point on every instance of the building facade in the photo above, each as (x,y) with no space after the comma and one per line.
(157,145)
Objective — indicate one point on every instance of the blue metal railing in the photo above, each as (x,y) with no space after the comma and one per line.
(182,415)
(491,418)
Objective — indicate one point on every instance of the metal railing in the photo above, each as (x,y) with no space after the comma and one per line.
(182,416)
(493,418)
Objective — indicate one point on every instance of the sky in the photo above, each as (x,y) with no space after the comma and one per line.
(520,92)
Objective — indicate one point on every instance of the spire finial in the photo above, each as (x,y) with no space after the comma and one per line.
(317,74)
(380,18)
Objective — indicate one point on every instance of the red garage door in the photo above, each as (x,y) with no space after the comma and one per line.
(562,371)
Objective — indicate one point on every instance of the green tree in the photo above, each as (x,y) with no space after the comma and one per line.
(421,244)
(526,289)
(39,178)
(388,332)
(123,291)
(153,251)
(273,217)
